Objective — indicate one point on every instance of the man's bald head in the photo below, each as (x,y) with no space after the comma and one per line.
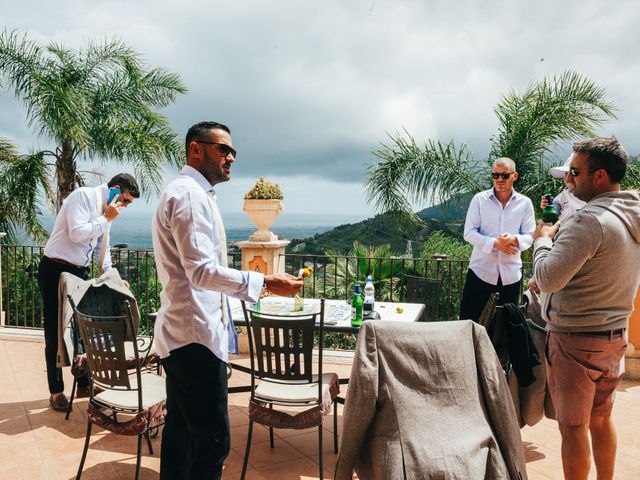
(505,162)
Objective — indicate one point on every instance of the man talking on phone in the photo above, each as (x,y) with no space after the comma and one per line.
(78,233)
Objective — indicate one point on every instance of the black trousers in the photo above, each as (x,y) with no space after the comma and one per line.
(195,439)
(48,278)
(476,293)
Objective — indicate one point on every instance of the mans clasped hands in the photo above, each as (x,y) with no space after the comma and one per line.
(507,243)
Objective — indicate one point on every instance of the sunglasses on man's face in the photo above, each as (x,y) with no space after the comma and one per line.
(505,176)
(225,150)
(575,172)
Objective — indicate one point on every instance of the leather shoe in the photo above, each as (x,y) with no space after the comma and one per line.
(59,403)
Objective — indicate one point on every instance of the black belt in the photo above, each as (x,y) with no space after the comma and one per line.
(63,262)
(603,333)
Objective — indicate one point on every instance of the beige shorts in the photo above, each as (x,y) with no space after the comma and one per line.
(583,373)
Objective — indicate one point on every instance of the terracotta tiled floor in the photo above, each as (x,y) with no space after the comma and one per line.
(37,443)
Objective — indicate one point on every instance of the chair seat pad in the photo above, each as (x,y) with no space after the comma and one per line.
(287,392)
(153,392)
(259,412)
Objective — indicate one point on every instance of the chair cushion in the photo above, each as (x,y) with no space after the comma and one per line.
(153,391)
(259,412)
(145,420)
(294,393)
(153,402)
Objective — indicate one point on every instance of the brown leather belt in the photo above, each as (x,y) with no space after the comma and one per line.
(63,262)
(604,333)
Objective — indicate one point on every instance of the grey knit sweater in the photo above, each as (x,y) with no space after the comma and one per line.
(589,275)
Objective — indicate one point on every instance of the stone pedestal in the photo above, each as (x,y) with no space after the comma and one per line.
(263,257)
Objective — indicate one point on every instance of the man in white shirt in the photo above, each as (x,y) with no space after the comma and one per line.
(500,223)
(194,332)
(78,233)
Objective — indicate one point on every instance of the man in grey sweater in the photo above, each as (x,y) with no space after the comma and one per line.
(588,273)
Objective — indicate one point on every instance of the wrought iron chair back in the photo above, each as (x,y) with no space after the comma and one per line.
(423,290)
(281,347)
(104,343)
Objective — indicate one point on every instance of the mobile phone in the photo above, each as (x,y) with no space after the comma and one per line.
(114,192)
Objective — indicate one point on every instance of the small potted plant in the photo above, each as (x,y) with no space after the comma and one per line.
(263,204)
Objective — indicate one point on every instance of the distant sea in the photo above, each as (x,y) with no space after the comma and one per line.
(134,229)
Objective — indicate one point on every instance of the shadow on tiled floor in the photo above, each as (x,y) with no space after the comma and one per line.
(37,443)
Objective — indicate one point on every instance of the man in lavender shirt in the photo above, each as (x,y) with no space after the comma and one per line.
(500,223)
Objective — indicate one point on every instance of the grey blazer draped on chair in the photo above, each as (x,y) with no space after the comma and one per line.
(428,401)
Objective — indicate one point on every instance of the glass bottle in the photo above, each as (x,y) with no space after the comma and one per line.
(356,306)
(369,296)
(549,213)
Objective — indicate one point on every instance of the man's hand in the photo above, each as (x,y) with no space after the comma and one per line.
(546,230)
(543,202)
(533,286)
(112,210)
(283,284)
(507,243)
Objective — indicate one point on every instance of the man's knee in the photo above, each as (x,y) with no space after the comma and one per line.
(600,422)
(571,432)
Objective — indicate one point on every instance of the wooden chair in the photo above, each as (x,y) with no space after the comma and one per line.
(422,290)
(281,351)
(141,396)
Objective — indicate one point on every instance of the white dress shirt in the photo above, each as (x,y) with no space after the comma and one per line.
(186,242)
(79,226)
(486,219)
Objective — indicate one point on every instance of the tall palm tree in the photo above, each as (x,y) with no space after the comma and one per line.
(95,103)
(531,125)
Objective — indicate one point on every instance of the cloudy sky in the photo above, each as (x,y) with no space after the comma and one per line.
(310,88)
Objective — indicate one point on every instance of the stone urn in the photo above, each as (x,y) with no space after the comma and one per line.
(263,212)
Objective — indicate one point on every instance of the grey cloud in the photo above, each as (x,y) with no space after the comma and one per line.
(310,88)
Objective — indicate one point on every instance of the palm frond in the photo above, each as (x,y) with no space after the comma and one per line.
(24,178)
(560,108)
(408,173)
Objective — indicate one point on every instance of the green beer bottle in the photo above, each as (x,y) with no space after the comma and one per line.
(549,213)
(356,306)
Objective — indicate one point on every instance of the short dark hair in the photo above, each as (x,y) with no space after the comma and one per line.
(605,153)
(202,129)
(126,182)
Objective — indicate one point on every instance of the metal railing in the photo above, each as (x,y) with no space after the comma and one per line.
(22,304)
(333,277)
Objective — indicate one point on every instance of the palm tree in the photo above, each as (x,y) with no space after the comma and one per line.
(95,103)
(378,261)
(22,176)
(531,125)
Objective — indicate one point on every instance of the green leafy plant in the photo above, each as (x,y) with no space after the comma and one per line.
(264,190)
